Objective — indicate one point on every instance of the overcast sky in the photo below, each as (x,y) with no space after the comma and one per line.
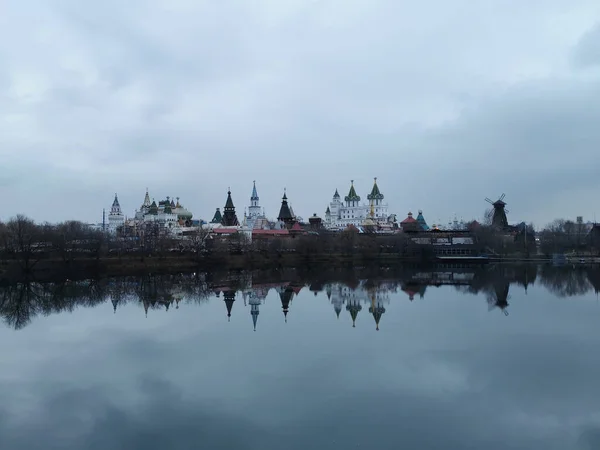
(446,102)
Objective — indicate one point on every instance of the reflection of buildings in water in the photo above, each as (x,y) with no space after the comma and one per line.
(340,295)
(377,310)
(414,289)
(354,307)
(285,294)
(229,298)
(254,304)
(498,297)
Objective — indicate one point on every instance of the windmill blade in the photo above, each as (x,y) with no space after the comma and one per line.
(502,196)
(489,201)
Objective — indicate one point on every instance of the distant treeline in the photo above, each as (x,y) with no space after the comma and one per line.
(27,247)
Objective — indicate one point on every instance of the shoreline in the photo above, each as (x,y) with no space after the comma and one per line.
(52,269)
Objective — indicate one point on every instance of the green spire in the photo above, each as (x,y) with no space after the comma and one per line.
(217,218)
(375,193)
(153,208)
(352,195)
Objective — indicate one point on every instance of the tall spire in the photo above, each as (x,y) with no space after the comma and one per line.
(375,192)
(254,211)
(229,217)
(146,200)
(217,218)
(285,215)
(352,195)
(254,193)
(115,209)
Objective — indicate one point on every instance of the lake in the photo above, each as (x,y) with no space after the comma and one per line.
(493,357)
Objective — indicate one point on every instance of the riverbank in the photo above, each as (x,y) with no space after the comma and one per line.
(125,265)
(51,269)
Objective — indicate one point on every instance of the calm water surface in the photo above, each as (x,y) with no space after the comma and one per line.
(480,364)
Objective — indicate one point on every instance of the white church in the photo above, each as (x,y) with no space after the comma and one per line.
(352,212)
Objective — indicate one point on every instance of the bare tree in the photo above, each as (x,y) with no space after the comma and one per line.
(23,237)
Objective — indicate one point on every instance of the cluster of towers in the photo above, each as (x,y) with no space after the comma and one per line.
(255,217)
(352,212)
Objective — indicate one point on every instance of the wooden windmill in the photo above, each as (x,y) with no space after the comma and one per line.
(499,219)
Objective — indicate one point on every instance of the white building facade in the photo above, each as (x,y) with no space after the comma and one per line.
(166,213)
(352,212)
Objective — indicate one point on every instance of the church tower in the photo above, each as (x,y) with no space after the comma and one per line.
(229,217)
(254,210)
(115,217)
(285,214)
(378,208)
(352,199)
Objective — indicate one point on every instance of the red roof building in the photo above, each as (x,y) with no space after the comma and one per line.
(410,224)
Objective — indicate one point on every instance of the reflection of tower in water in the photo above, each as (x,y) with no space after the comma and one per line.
(254,304)
(354,308)
(377,310)
(498,297)
(229,298)
(286,297)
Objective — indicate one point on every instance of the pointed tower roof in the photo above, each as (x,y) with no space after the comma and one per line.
(375,193)
(337,194)
(217,218)
(167,207)
(254,195)
(422,221)
(352,195)
(116,202)
(153,208)
(284,212)
(146,199)
(229,202)
(328,211)
(229,217)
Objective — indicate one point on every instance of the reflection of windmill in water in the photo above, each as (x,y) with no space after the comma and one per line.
(499,219)
(498,297)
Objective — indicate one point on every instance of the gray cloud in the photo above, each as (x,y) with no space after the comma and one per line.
(189,98)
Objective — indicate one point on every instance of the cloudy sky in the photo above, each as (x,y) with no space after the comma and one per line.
(446,102)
